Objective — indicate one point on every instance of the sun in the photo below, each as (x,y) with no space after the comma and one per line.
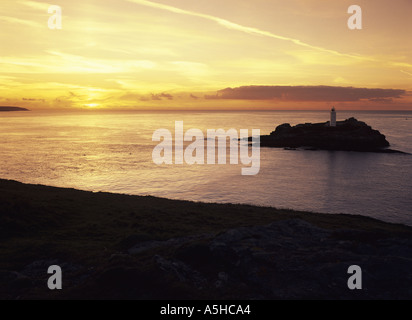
(92,105)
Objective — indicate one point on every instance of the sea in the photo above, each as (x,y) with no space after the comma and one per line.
(111,151)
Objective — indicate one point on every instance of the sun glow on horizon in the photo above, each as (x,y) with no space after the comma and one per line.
(92,105)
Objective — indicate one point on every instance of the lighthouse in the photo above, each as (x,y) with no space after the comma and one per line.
(333,117)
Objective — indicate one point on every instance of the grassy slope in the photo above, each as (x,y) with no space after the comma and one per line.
(38,222)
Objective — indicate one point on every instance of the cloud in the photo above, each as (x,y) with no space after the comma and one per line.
(307,93)
(140,97)
(43,6)
(382,100)
(32,99)
(406,72)
(132,96)
(20,21)
(234,26)
(162,96)
(255,31)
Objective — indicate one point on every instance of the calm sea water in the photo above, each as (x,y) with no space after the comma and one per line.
(113,152)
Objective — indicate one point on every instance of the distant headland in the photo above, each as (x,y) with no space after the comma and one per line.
(12,109)
(347,135)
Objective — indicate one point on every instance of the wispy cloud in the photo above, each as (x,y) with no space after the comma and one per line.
(35,4)
(152,96)
(20,21)
(235,26)
(307,93)
(255,31)
(405,72)
(60,62)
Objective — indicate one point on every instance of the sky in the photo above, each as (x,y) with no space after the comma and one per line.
(206,54)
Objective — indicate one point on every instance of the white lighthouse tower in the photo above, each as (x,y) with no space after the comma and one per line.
(333,117)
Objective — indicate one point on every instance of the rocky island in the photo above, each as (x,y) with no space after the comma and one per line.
(347,135)
(5,108)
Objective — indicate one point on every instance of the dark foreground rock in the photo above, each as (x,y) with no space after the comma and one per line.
(290,259)
(348,135)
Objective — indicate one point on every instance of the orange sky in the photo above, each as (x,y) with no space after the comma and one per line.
(184,54)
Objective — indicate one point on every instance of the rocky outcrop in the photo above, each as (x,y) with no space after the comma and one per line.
(348,135)
(293,259)
(288,259)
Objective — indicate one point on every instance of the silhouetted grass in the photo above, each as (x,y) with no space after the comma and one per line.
(37,222)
